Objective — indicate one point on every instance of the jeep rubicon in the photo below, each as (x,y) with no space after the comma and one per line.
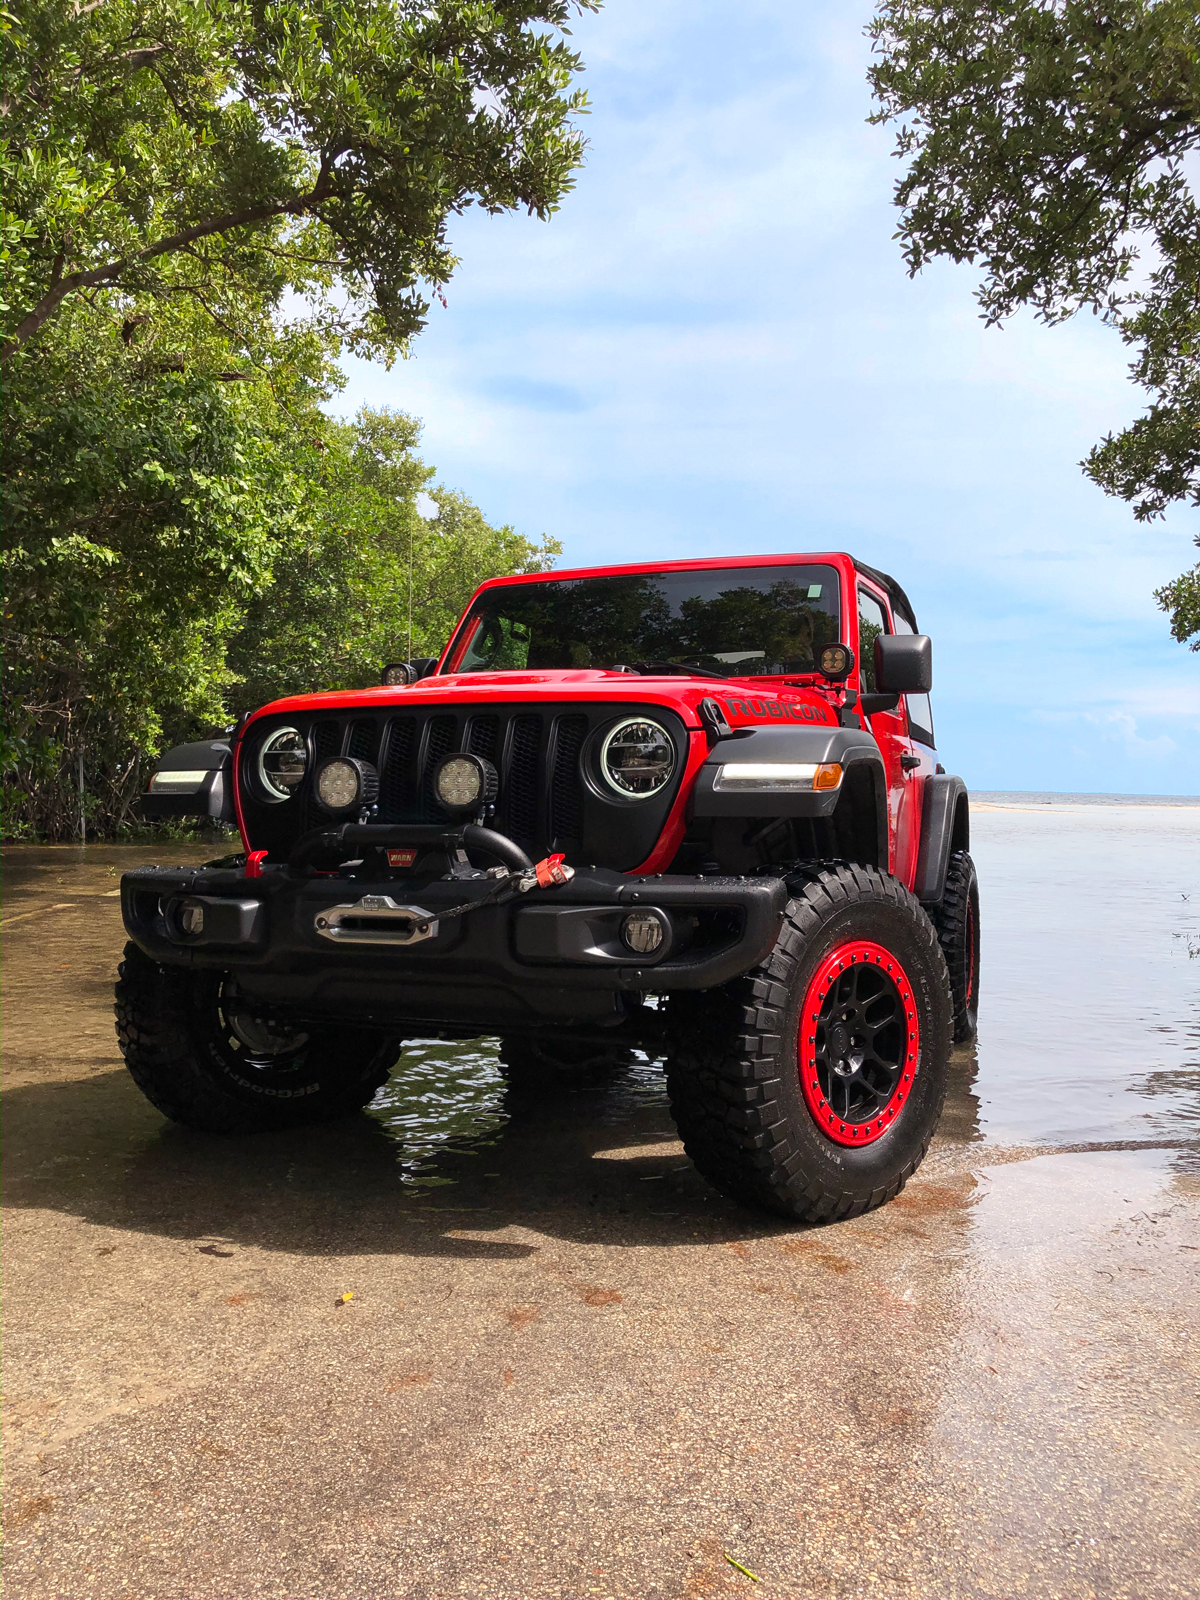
(693,805)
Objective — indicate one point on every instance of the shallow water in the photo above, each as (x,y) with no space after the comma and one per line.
(1089,996)
(505,1343)
(1089,1024)
(1089,999)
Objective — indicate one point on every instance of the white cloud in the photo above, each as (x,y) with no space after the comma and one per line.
(714,346)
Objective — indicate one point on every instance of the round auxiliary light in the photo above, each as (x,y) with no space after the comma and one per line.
(282,763)
(463,784)
(343,783)
(637,758)
(398,673)
(836,661)
(643,932)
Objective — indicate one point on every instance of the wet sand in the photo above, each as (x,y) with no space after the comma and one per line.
(568,1368)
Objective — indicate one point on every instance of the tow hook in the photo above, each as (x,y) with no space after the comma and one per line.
(548,874)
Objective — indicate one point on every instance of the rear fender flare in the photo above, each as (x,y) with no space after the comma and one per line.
(945,828)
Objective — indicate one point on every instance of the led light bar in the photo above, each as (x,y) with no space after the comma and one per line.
(176,782)
(779,775)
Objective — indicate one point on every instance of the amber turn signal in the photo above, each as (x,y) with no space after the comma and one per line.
(828,775)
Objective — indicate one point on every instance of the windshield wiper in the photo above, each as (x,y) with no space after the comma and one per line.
(677,668)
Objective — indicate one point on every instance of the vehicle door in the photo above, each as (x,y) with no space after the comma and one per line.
(890,729)
(923,759)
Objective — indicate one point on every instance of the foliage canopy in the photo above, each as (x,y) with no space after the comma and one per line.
(1046,140)
(179,547)
(224,148)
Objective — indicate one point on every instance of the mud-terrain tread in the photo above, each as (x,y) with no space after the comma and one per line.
(156,1032)
(950,920)
(722,1099)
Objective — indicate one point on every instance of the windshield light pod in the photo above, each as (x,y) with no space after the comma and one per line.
(637,758)
(464,785)
(836,662)
(282,763)
(788,776)
(344,783)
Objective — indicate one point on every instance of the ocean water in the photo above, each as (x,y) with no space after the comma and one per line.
(1089,996)
(1089,1024)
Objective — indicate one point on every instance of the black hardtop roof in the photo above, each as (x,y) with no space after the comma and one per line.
(900,601)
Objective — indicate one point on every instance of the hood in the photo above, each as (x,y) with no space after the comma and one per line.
(746,702)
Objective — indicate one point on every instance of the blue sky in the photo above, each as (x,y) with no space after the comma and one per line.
(714,348)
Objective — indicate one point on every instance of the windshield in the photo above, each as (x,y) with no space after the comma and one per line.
(736,622)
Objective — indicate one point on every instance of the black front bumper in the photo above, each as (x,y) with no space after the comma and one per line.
(546,956)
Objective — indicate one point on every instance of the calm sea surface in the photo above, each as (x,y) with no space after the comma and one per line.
(1090,994)
(1089,998)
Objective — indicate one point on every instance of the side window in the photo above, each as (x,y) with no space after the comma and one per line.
(871,623)
(920,713)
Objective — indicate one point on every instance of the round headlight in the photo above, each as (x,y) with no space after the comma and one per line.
(282,762)
(638,758)
(345,782)
(464,784)
(836,661)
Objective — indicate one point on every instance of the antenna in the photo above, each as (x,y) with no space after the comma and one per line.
(410,567)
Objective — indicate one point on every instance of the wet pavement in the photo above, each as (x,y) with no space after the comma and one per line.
(568,1368)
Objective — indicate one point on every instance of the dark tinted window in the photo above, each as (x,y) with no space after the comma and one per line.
(920,712)
(739,621)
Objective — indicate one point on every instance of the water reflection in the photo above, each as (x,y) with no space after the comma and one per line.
(441,1098)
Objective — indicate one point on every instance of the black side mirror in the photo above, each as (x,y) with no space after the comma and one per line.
(903,663)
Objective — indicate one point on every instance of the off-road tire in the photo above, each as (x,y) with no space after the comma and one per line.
(733,1063)
(957,924)
(185,1059)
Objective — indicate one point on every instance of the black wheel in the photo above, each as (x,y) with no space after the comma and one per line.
(957,923)
(813,1085)
(205,1059)
(546,1059)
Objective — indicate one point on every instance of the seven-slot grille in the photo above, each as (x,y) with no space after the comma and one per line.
(536,753)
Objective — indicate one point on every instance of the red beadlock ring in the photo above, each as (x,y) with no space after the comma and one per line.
(884,1087)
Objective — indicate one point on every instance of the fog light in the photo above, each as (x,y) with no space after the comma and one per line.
(464,784)
(191,919)
(643,932)
(345,782)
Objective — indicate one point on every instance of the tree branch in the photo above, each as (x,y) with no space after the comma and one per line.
(96,276)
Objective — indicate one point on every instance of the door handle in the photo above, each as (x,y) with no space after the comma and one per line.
(909,762)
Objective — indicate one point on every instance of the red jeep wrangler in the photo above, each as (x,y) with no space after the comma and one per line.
(691,805)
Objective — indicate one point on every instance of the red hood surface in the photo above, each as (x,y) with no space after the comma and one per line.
(744,702)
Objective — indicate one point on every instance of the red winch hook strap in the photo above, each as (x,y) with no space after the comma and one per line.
(553,872)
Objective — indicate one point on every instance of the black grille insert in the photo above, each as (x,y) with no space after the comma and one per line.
(544,802)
